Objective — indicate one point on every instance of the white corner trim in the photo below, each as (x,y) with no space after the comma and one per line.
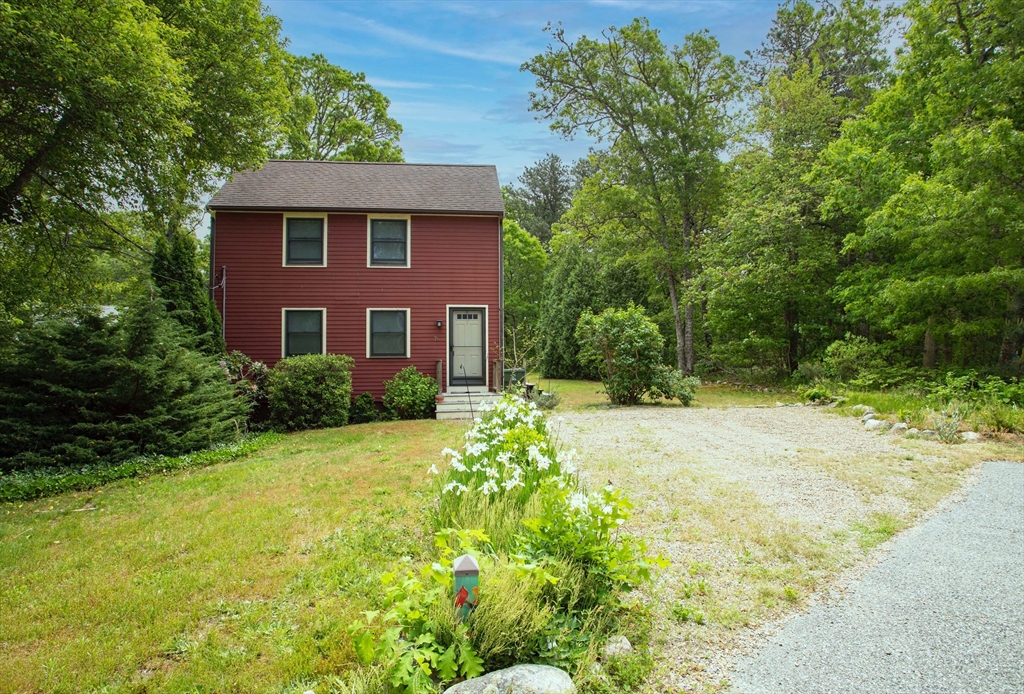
(408,240)
(284,328)
(284,236)
(408,333)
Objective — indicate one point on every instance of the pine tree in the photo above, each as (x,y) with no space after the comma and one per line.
(176,274)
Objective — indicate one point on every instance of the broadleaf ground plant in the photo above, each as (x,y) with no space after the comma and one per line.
(555,564)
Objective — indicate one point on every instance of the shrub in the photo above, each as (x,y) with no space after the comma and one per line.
(809,372)
(310,391)
(547,400)
(250,379)
(364,410)
(625,345)
(410,395)
(108,389)
(848,358)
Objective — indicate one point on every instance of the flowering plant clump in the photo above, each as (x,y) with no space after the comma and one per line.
(507,455)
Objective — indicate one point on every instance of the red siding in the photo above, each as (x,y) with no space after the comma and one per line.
(454,260)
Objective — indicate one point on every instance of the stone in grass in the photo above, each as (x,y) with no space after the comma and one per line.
(970,436)
(518,679)
(617,647)
(929,434)
(868,416)
(862,409)
(913,432)
(876,425)
(899,428)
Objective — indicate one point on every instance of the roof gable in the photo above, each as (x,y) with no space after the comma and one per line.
(333,186)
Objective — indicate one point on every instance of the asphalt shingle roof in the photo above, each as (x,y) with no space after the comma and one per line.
(363,187)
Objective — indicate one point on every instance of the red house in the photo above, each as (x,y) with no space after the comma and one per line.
(391,264)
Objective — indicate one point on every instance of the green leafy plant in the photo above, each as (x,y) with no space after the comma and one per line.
(547,400)
(947,423)
(625,345)
(685,613)
(250,378)
(364,410)
(410,395)
(310,391)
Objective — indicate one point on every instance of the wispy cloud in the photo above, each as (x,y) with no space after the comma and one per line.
(504,53)
(398,84)
(514,108)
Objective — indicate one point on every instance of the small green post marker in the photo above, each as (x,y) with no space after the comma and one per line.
(467,585)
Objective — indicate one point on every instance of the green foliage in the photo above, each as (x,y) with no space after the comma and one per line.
(33,483)
(251,380)
(625,345)
(508,625)
(936,252)
(410,395)
(364,410)
(524,264)
(571,285)
(310,391)
(175,272)
(848,359)
(95,389)
(664,112)
(547,400)
(544,195)
(336,114)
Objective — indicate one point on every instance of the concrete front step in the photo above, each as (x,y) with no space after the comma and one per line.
(463,406)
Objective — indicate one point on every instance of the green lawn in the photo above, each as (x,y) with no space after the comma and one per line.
(237,577)
(583,394)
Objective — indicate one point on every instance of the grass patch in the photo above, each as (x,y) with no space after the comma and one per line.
(920,412)
(878,528)
(236,577)
(25,485)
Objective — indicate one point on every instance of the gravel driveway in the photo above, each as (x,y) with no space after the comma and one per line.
(944,612)
(757,502)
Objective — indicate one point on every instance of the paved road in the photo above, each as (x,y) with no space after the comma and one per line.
(944,612)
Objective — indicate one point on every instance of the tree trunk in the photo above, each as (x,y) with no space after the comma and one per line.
(930,347)
(680,339)
(688,340)
(37,160)
(789,319)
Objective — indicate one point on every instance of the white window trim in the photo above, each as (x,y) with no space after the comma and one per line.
(448,342)
(408,334)
(284,328)
(408,240)
(284,237)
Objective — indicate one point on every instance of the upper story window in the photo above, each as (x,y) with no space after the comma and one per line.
(305,241)
(388,242)
(303,331)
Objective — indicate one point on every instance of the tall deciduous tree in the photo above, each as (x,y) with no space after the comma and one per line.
(525,262)
(665,114)
(932,176)
(336,114)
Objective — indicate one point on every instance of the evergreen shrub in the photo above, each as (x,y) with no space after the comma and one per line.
(410,395)
(104,389)
(310,391)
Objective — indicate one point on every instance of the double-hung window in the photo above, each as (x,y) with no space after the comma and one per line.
(389,242)
(305,241)
(387,332)
(303,331)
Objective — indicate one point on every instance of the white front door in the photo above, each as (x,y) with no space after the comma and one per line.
(467,346)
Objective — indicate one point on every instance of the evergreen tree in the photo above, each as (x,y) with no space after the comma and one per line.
(570,288)
(108,388)
(176,274)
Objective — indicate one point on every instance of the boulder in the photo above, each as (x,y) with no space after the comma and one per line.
(862,409)
(970,436)
(913,431)
(867,416)
(899,428)
(876,425)
(518,679)
(617,647)
(929,434)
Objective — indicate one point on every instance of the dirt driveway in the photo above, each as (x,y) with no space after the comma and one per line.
(759,509)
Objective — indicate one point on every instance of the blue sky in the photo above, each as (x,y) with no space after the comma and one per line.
(451,69)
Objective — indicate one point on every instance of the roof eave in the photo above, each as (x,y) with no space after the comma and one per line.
(351,210)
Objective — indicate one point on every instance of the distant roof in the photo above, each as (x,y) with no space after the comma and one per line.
(335,186)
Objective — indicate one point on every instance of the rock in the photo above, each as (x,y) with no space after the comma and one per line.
(862,409)
(970,436)
(876,425)
(617,647)
(899,428)
(868,416)
(913,431)
(518,679)
(929,434)
(779,404)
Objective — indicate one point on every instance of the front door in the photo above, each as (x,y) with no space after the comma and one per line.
(466,353)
